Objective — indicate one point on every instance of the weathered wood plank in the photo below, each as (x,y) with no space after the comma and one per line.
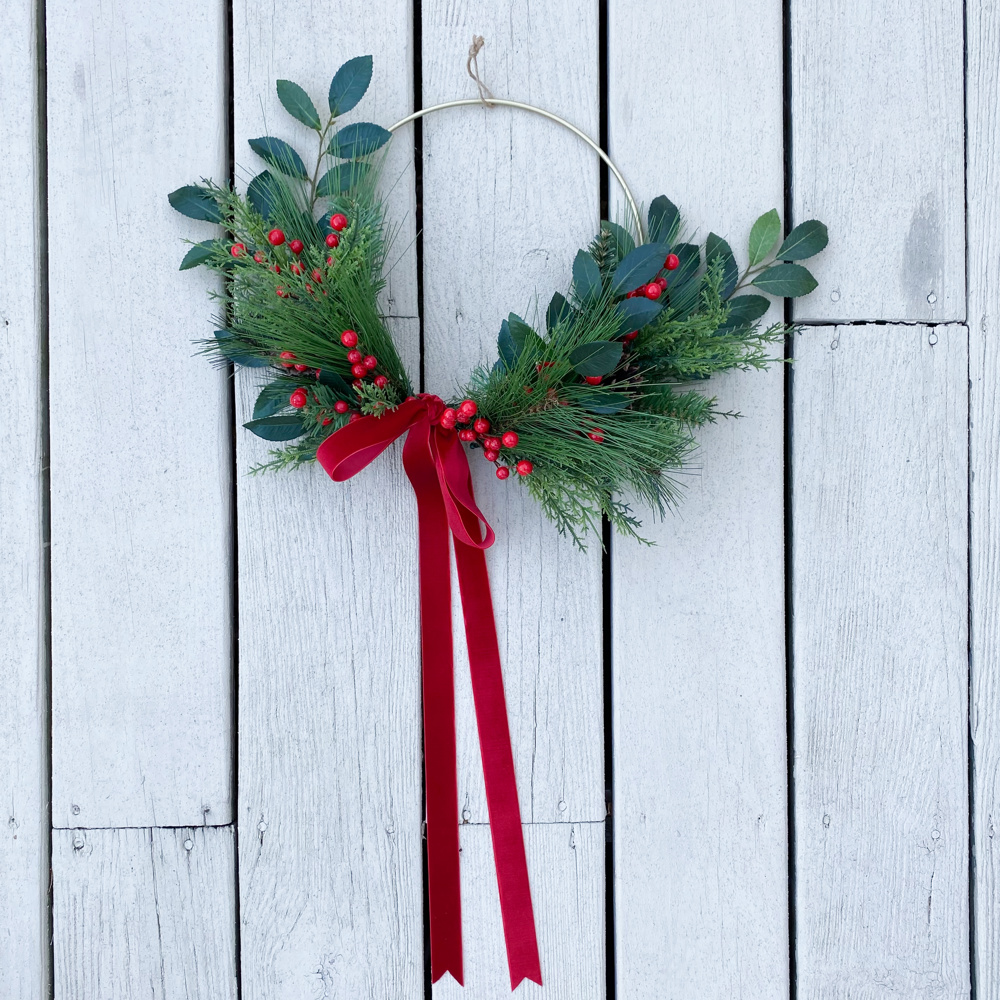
(139,436)
(878,154)
(23,708)
(698,620)
(983,33)
(566,861)
(144,913)
(501,225)
(330,802)
(880,677)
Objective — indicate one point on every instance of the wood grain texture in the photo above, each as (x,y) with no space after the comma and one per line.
(698,619)
(878,155)
(144,913)
(139,437)
(24,824)
(330,799)
(880,676)
(508,200)
(566,862)
(983,33)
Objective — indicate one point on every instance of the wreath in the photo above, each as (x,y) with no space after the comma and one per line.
(590,405)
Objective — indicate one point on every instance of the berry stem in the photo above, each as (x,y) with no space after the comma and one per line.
(319,161)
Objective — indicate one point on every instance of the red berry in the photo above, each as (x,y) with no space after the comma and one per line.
(296,246)
(631,336)
(632,294)
(593,379)
(481,426)
(259,257)
(341,406)
(332,240)
(490,455)
(356,383)
(329,261)
(353,356)
(298,398)
(280,292)
(302,368)
(467,408)
(502,472)
(448,418)
(672,262)
(359,371)
(296,268)
(276,237)
(491,443)
(596,435)
(237,249)
(310,289)
(354,416)
(327,420)
(381,381)
(509,439)
(652,290)
(317,276)
(338,222)
(286,358)
(348,338)
(370,361)
(524,467)
(467,435)
(662,282)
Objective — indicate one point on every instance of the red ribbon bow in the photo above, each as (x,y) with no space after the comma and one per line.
(437,467)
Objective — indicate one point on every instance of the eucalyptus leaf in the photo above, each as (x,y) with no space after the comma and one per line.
(586,277)
(763,236)
(262,193)
(640,266)
(603,400)
(664,221)
(277,428)
(200,253)
(506,347)
(744,310)
(196,203)
(298,103)
(523,336)
(636,313)
(717,249)
(599,357)
(341,178)
(358,139)
(803,241)
(349,84)
(559,311)
(786,281)
(231,347)
(272,398)
(278,154)
(621,239)
(683,288)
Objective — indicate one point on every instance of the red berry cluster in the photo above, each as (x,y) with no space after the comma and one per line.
(654,289)
(361,364)
(480,431)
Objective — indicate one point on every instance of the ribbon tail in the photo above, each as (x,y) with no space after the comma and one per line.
(440,768)
(498,766)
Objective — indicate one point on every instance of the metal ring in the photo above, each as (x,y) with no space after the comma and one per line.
(468,102)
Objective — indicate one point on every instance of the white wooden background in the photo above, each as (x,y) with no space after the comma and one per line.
(210,768)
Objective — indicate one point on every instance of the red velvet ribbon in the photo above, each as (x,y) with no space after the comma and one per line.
(437,467)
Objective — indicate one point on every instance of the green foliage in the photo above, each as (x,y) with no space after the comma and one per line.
(350,84)
(278,154)
(763,236)
(358,139)
(803,241)
(785,280)
(195,202)
(298,103)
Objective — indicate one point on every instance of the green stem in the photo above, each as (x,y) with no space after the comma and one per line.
(319,162)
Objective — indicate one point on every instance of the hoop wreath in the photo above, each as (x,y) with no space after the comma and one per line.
(588,406)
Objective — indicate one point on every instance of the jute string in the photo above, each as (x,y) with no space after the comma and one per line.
(472,68)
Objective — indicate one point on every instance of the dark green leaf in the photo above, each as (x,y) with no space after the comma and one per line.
(341,178)
(621,239)
(273,397)
(603,400)
(349,84)
(586,277)
(803,241)
(664,221)
(297,103)
(559,311)
(262,193)
(330,378)
(683,290)
(198,254)
(597,358)
(506,346)
(278,154)
(196,203)
(277,428)
(717,249)
(744,310)
(641,265)
(231,347)
(763,236)
(785,281)
(358,139)
(523,336)
(636,313)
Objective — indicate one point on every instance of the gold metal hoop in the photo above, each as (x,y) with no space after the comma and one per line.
(469,102)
